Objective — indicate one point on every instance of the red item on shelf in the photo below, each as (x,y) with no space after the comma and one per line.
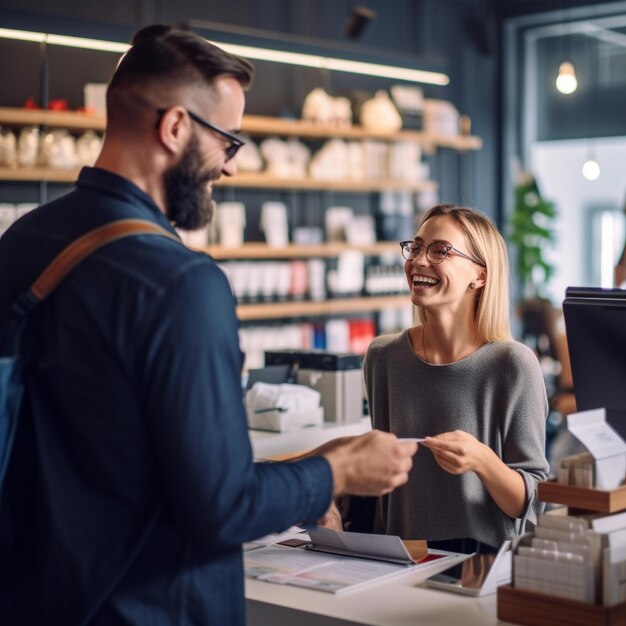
(60,104)
(362,333)
(31,104)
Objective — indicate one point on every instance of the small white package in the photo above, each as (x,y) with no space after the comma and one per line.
(283,407)
(606,446)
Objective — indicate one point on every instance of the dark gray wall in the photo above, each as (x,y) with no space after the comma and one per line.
(513,8)
(455,36)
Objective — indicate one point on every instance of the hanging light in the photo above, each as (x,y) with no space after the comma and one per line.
(591,169)
(566,81)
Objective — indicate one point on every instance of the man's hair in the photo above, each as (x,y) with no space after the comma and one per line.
(162,59)
(487,245)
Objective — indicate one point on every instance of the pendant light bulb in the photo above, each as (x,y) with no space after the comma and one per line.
(591,169)
(566,81)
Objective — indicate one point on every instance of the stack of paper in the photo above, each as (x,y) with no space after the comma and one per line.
(337,561)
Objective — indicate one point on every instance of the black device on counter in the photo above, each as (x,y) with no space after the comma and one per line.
(314,359)
(272,374)
(595,320)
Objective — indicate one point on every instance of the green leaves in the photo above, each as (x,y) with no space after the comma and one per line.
(531,231)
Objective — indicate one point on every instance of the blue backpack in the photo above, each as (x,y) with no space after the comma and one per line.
(13,360)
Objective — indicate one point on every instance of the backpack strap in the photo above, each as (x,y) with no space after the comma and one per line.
(78,251)
(81,248)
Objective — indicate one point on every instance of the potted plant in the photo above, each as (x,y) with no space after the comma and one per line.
(531,232)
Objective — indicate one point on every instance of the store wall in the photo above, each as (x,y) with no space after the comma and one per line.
(583,237)
(455,36)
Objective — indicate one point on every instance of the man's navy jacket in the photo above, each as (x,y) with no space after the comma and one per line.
(132,484)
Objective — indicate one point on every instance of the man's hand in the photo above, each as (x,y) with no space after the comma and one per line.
(331,519)
(369,465)
(457,452)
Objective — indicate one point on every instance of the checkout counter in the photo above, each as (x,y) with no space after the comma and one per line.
(404,601)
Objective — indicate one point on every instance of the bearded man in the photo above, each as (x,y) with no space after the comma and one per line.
(128,497)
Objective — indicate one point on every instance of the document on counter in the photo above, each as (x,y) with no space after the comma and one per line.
(388,548)
(324,572)
(293,533)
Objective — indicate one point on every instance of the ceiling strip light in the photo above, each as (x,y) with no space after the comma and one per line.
(251,52)
(64,40)
(338,65)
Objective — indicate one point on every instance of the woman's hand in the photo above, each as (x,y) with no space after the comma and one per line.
(457,452)
(331,519)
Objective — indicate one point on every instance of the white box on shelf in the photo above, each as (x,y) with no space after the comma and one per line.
(336,220)
(231,221)
(274,224)
(95,97)
(605,445)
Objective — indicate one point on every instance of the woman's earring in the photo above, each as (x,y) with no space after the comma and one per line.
(472,285)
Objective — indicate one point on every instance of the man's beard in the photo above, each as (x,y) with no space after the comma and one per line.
(189,202)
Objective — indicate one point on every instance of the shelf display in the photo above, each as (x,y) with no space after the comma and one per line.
(32,153)
(250,180)
(383,144)
(334,335)
(259,250)
(537,606)
(253,125)
(277,310)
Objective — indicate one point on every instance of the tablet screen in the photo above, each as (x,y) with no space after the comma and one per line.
(469,574)
(479,574)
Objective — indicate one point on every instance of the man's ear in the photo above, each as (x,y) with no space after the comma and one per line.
(174,129)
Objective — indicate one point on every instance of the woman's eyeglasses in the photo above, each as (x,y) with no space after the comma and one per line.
(436,252)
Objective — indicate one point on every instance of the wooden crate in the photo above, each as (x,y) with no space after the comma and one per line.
(539,609)
(582,498)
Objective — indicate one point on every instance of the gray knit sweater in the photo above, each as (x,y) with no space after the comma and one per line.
(496,394)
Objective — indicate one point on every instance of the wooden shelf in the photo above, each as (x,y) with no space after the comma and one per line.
(38,173)
(295,251)
(251,124)
(277,310)
(262,125)
(263,181)
(582,498)
(521,606)
(254,125)
(56,119)
(243,180)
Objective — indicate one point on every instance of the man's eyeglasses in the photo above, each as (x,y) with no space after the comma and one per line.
(436,252)
(235,142)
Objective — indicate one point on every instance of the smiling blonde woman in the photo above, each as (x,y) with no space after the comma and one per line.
(458,379)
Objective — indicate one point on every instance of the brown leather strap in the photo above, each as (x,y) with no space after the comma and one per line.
(80,249)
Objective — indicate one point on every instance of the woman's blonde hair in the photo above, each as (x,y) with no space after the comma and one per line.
(486,244)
